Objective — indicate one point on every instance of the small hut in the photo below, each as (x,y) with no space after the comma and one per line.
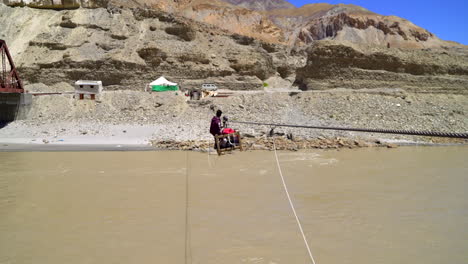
(88,87)
(163,85)
(91,88)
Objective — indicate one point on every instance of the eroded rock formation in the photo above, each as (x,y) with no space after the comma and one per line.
(261,5)
(127,44)
(332,65)
(277,21)
(128,48)
(58,4)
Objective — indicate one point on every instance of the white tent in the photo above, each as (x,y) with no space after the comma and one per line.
(163,85)
(163,82)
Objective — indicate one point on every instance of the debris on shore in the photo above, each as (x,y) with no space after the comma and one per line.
(282,143)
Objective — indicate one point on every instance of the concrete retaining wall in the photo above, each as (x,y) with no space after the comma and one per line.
(14,106)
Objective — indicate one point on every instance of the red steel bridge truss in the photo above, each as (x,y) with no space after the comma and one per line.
(10,81)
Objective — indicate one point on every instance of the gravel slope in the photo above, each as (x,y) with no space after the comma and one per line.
(139,118)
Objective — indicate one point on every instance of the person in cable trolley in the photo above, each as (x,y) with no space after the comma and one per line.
(217,128)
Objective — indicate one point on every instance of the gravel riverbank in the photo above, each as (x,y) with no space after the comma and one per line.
(171,121)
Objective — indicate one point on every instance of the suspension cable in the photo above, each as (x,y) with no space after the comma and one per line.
(292,206)
(369,130)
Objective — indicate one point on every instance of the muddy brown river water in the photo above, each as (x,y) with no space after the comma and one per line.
(405,205)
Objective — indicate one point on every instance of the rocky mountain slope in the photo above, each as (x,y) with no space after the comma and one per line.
(127,44)
(277,21)
(261,5)
(350,23)
(333,65)
(57,4)
(128,48)
(301,26)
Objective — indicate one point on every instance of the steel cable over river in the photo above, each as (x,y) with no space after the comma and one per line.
(368,130)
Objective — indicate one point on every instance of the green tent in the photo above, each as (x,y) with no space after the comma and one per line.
(162,85)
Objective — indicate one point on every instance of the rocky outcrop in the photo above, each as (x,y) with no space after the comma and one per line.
(261,5)
(368,29)
(354,24)
(184,32)
(233,19)
(58,4)
(256,64)
(331,65)
(329,27)
(274,21)
(128,48)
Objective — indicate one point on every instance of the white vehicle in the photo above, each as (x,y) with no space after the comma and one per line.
(209,87)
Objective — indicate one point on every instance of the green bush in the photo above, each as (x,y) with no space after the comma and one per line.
(265,84)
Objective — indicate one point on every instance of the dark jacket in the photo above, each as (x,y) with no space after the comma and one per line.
(215,128)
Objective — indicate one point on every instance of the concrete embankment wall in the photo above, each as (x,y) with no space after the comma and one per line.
(14,106)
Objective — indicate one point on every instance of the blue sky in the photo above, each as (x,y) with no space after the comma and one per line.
(447,19)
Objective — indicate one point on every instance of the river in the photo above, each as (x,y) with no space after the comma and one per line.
(404,205)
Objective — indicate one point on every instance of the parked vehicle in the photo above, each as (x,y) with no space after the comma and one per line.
(209,87)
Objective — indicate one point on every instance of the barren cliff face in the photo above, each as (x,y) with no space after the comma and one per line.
(277,21)
(128,48)
(128,44)
(58,4)
(333,65)
(261,5)
(350,23)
